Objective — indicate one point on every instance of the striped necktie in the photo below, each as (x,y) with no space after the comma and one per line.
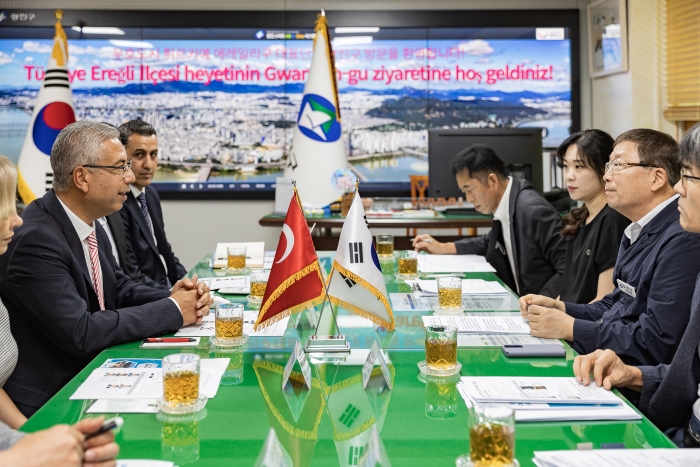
(144,211)
(95,266)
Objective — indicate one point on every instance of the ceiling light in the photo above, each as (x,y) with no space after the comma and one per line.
(96,30)
(356,30)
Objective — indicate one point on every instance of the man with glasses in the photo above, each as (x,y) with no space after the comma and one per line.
(644,317)
(67,297)
(148,248)
(668,393)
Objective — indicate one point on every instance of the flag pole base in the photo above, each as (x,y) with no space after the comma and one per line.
(317,345)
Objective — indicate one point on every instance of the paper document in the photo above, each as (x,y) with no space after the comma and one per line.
(469,286)
(618,457)
(497,340)
(453,263)
(535,389)
(145,383)
(412,302)
(206,327)
(255,254)
(124,406)
(143,463)
(481,324)
(232,284)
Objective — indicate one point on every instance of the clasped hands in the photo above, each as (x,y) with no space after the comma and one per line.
(194,298)
(547,317)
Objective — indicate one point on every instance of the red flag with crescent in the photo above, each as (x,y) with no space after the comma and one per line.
(295,282)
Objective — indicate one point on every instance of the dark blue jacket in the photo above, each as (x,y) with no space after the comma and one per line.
(662,266)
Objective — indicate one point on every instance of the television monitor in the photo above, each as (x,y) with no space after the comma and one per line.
(223,89)
(519,148)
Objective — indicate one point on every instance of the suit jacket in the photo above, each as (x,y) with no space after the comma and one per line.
(143,251)
(539,251)
(116,227)
(54,312)
(645,329)
(669,391)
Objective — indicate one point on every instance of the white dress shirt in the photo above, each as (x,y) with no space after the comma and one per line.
(83,230)
(502,214)
(136,192)
(105,225)
(632,231)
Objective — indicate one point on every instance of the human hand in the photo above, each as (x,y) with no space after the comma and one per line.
(550,323)
(188,301)
(101,450)
(205,300)
(425,242)
(531,299)
(608,370)
(59,446)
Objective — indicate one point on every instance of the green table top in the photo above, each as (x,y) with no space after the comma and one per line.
(250,415)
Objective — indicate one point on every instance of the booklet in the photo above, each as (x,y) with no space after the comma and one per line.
(255,254)
(469,287)
(453,263)
(467,324)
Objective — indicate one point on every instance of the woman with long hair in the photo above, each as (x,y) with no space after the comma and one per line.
(594,229)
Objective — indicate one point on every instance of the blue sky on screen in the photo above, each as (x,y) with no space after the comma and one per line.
(379,65)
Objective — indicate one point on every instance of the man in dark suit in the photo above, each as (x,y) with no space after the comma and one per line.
(114,228)
(66,296)
(524,244)
(644,317)
(149,250)
(668,392)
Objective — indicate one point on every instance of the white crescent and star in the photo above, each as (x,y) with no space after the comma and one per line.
(289,235)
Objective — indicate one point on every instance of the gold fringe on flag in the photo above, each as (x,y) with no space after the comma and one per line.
(359,311)
(280,290)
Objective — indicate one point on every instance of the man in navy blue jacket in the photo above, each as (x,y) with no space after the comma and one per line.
(643,319)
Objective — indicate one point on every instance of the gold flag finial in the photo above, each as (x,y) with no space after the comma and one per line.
(58,14)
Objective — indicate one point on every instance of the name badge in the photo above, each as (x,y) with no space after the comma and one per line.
(626,288)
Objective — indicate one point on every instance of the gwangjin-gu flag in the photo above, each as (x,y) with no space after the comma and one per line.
(318,149)
(356,281)
(53,111)
(295,282)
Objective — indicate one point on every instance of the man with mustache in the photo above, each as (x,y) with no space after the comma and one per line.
(148,248)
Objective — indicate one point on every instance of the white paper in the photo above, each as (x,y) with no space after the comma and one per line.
(535,389)
(240,283)
(145,383)
(284,190)
(124,406)
(481,324)
(255,253)
(206,327)
(469,286)
(453,263)
(497,340)
(143,463)
(413,302)
(620,457)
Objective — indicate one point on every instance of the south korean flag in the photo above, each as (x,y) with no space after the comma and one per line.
(356,282)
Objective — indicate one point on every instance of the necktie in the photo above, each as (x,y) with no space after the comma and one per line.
(95,266)
(144,210)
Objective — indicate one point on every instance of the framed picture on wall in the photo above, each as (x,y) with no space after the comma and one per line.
(607,37)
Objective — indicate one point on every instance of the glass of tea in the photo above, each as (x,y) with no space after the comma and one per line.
(180,383)
(450,293)
(258,283)
(236,258)
(441,350)
(228,325)
(385,246)
(492,435)
(408,264)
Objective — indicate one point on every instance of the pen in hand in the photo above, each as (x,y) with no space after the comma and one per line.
(425,240)
(111,424)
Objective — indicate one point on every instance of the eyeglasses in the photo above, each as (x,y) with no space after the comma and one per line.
(618,166)
(123,168)
(685,176)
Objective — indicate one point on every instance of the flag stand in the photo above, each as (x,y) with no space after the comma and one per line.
(327,344)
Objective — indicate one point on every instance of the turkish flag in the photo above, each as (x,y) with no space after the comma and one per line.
(295,282)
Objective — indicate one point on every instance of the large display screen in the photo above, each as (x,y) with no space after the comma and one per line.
(225,101)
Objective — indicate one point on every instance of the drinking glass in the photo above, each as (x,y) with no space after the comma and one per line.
(258,283)
(385,246)
(236,258)
(408,264)
(441,398)
(441,347)
(450,293)
(228,324)
(492,435)
(180,381)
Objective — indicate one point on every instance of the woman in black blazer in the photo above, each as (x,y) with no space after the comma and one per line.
(593,230)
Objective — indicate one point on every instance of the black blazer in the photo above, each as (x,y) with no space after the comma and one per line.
(54,312)
(669,391)
(116,227)
(538,248)
(143,252)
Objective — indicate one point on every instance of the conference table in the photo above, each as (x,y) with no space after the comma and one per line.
(253,422)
